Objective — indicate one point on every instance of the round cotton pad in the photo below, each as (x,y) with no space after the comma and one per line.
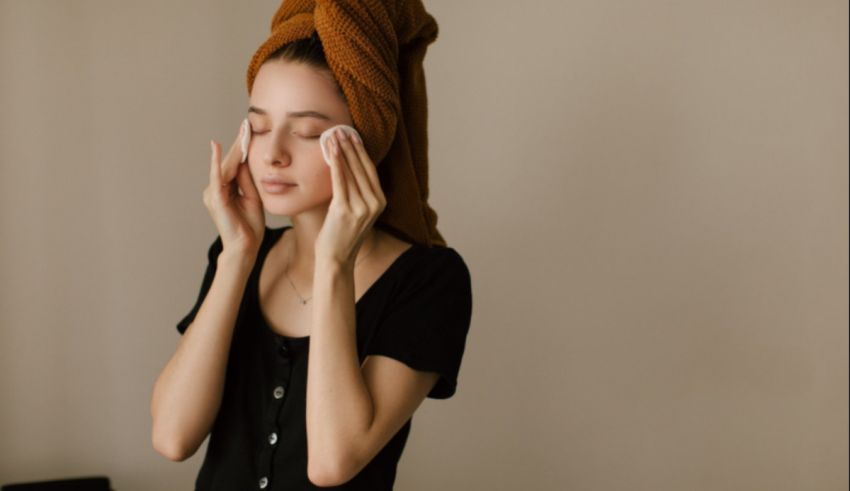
(246,138)
(323,139)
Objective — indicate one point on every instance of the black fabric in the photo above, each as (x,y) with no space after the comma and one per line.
(418,312)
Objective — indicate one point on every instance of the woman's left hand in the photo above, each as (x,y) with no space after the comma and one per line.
(356,203)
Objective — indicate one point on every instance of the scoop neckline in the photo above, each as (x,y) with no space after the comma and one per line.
(277,233)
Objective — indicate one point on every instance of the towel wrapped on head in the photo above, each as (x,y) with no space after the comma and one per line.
(375,49)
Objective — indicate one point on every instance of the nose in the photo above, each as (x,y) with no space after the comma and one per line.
(276,151)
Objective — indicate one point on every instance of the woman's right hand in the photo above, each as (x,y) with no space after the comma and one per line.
(239,217)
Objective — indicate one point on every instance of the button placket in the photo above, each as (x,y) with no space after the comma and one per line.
(282,363)
(267,454)
(282,374)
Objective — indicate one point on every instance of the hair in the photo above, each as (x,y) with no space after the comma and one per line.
(308,51)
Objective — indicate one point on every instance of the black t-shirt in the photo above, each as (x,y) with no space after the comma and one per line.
(418,312)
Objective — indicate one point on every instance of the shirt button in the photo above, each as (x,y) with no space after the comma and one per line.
(278,392)
(264,481)
(273,438)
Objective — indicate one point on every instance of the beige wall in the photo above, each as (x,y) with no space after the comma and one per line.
(651,197)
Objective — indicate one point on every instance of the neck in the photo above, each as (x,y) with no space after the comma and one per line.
(301,254)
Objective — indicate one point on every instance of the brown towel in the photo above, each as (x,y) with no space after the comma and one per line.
(375,49)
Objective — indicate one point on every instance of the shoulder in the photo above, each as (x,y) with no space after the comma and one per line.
(438,259)
(439,270)
(421,256)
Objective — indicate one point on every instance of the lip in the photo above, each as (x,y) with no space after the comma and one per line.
(277,187)
(277,180)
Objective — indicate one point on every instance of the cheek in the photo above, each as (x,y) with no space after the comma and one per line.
(320,175)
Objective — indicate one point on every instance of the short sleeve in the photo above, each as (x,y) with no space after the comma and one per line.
(212,257)
(427,321)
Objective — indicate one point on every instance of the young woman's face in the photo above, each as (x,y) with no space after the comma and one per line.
(286,146)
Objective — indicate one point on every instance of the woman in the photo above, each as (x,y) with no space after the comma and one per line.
(310,346)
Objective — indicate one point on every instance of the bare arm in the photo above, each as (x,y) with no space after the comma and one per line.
(187,393)
(353,410)
(339,408)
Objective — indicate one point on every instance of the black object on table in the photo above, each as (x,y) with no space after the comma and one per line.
(97,483)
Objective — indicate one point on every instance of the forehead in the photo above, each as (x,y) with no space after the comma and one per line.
(285,86)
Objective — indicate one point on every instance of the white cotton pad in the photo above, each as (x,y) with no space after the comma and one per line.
(325,144)
(246,138)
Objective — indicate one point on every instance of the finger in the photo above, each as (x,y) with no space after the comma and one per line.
(246,183)
(355,167)
(345,159)
(369,189)
(369,168)
(337,177)
(215,171)
(231,161)
(356,197)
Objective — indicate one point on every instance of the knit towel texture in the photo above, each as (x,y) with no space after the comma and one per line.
(375,49)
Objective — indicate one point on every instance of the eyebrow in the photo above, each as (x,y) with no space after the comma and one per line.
(293,114)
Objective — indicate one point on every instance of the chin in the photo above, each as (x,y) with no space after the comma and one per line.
(287,206)
(281,209)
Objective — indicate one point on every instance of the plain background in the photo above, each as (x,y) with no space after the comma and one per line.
(651,197)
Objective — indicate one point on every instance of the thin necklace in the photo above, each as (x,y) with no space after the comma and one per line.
(301,299)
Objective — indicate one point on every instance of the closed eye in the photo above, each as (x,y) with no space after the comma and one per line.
(307,137)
